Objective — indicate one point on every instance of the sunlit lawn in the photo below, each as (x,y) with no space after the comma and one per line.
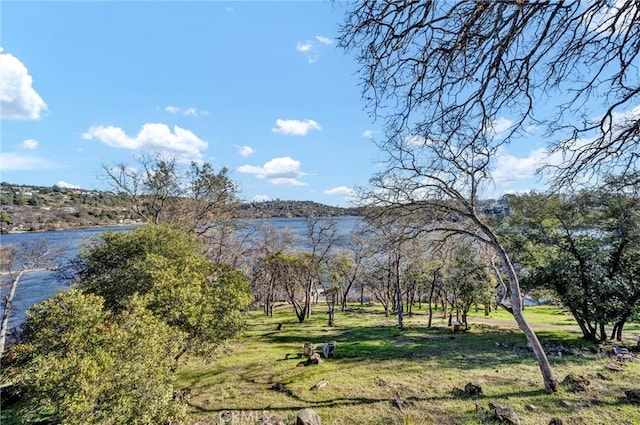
(377,362)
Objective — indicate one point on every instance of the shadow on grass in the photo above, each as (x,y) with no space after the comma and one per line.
(336,402)
(483,347)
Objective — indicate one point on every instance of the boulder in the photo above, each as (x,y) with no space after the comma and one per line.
(504,414)
(633,395)
(576,383)
(315,359)
(402,403)
(307,417)
(470,391)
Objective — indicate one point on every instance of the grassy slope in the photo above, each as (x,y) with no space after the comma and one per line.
(376,362)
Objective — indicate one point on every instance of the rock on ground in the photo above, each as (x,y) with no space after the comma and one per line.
(307,417)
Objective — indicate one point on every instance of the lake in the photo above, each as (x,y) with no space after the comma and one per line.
(38,286)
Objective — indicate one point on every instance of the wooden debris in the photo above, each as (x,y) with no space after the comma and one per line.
(615,367)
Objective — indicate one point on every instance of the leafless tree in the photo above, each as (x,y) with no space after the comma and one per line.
(15,262)
(443,74)
(321,236)
(348,264)
(268,245)
(434,188)
(441,68)
(197,199)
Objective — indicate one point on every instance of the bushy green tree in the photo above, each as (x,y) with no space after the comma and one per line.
(79,363)
(585,247)
(171,271)
(467,281)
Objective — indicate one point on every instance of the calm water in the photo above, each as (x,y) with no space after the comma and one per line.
(38,286)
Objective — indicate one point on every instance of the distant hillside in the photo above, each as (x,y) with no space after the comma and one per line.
(38,208)
(278,208)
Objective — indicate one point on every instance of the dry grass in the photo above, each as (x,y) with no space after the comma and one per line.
(377,362)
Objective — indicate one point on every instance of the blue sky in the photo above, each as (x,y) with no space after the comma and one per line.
(258,87)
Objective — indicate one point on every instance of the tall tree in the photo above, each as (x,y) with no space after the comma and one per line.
(294,272)
(440,75)
(269,243)
(321,235)
(467,280)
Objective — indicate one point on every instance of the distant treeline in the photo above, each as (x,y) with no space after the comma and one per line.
(36,208)
(279,208)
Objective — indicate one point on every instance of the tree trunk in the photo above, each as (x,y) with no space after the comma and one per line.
(444,304)
(550,383)
(399,306)
(431,291)
(8,301)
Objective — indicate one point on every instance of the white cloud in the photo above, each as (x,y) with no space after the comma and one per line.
(152,137)
(609,17)
(30,144)
(295,127)
(261,198)
(15,162)
(622,120)
(368,134)
(310,48)
(18,99)
(510,169)
(64,185)
(245,150)
(229,9)
(304,47)
(279,171)
(324,40)
(191,110)
(340,190)
(415,140)
(500,125)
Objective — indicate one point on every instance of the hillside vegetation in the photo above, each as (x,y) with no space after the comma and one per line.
(40,208)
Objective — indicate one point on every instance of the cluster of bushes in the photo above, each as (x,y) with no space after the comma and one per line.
(106,351)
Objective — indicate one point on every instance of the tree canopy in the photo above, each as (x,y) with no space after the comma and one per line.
(585,248)
(445,70)
(173,274)
(78,363)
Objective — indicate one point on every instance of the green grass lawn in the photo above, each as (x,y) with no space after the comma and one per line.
(376,362)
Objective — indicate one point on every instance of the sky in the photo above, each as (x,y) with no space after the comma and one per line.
(258,87)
